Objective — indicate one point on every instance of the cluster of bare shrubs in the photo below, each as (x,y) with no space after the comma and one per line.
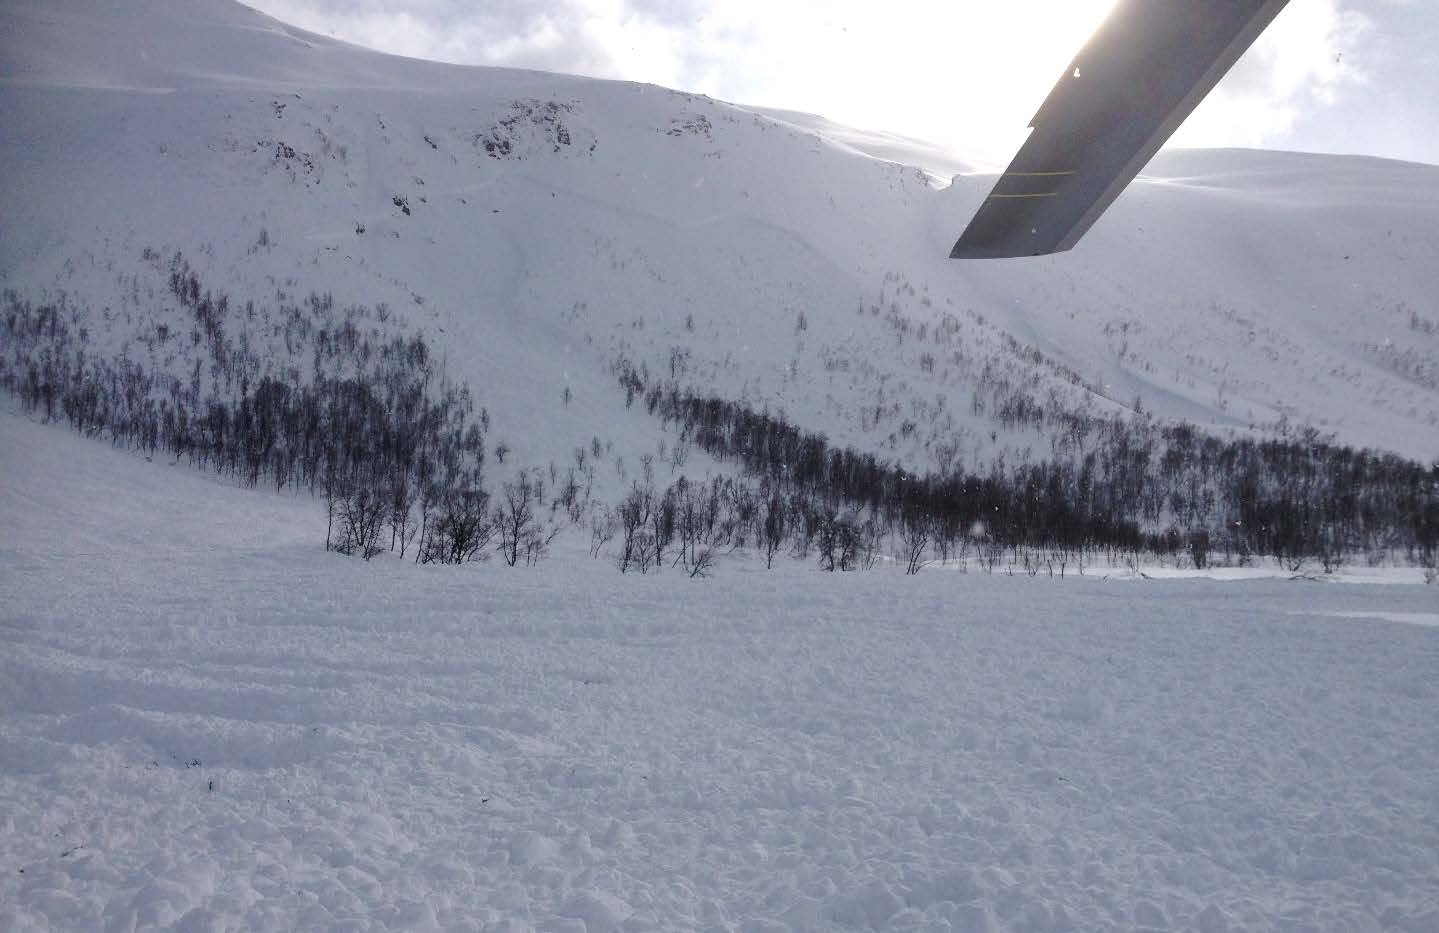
(311,397)
(1122,486)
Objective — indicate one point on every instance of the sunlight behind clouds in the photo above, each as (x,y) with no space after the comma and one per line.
(967,74)
(1303,62)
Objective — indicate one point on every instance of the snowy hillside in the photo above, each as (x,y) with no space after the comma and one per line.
(540,227)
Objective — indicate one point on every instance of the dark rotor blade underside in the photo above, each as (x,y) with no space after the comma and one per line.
(1131,86)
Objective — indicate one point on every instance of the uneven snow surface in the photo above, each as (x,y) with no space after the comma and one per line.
(206,722)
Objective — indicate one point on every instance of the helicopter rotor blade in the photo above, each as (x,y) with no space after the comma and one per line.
(1126,92)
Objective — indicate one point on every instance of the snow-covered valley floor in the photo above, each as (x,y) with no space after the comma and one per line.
(208,722)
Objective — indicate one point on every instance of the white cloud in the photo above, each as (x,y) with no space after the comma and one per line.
(1310,56)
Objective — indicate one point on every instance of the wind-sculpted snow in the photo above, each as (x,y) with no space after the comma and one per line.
(208,723)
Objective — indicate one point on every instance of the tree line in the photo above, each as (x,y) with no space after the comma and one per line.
(1129,485)
(310,396)
(368,422)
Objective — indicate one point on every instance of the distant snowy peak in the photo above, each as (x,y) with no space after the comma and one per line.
(163,45)
(154,45)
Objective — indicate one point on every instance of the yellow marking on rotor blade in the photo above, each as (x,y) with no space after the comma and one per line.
(1047,194)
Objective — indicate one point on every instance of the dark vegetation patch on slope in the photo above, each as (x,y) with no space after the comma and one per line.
(1130,485)
(366,419)
(337,402)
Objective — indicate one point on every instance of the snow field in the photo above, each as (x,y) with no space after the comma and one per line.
(207,723)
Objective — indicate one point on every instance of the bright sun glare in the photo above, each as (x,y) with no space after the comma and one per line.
(999,58)
(967,74)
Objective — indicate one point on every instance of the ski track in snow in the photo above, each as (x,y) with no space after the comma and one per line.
(207,723)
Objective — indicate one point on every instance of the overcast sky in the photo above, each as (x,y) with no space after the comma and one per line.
(1330,75)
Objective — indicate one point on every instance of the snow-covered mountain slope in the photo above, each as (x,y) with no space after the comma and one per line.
(540,226)
(208,723)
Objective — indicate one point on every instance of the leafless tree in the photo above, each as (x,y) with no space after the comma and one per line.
(774,529)
(362,514)
(867,535)
(516,519)
(461,529)
(703,563)
(602,530)
(661,523)
(914,536)
(634,516)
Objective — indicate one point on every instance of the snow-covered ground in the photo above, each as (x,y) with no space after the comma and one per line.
(208,722)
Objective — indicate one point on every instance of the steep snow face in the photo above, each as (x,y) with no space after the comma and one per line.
(540,226)
(208,723)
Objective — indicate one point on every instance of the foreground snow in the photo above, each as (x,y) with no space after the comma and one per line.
(206,721)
